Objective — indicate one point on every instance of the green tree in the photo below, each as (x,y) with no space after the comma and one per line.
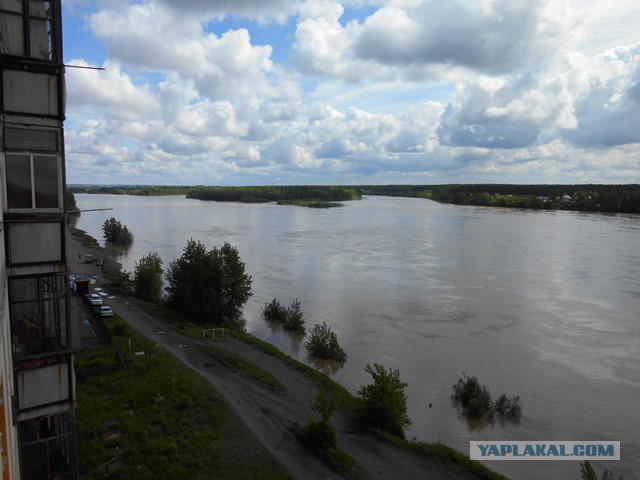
(147,278)
(384,404)
(274,311)
(235,284)
(210,285)
(323,343)
(294,320)
(321,436)
(115,232)
(474,398)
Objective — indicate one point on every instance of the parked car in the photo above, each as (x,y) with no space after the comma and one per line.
(95,299)
(106,311)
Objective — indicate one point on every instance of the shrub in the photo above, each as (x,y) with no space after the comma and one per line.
(475,400)
(323,343)
(321,436)
(384,404)
(291,318)
(274,312)
(509,407)
(294,319)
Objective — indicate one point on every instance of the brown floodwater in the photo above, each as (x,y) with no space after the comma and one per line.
(540,304)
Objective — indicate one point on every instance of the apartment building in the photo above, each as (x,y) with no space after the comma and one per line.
(37,380)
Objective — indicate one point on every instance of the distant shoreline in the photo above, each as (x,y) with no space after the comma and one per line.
(578,197)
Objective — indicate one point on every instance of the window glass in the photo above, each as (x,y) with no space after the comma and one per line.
(40,39)
(18,181)
(11,36)
(45,178)
(23,289)
(52,287)
(11,5)
(38,8)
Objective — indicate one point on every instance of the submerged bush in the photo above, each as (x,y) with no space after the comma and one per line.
(323,343)
(294,320)
(291,318)
(509,407)
(475,400)
(274,312)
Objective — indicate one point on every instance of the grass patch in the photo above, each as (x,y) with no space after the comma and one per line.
(322,381)
(241,365)
(184,325)
(336,459)
(102,357)
(87,240)
(172,423)
(443,455)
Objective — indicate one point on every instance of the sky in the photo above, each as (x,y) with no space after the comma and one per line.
(290,92)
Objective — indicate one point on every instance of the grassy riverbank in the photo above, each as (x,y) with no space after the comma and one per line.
(155,418)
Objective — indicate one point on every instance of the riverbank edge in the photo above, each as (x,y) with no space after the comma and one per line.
(439,454)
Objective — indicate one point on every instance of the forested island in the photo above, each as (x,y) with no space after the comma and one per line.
(581,197)
(308,196)
(314,196)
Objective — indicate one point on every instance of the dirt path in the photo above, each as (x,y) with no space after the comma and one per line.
(269,415)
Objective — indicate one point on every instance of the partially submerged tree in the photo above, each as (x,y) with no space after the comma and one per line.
(294,320)
(384,404)
(274,311)
(291,318)
(475,400)
(115,232)
(210,285)
(147,278)
(323,343)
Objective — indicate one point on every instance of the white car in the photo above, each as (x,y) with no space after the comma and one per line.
(95,299)
(106,311)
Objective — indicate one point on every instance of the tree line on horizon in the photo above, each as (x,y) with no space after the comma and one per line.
(581,197)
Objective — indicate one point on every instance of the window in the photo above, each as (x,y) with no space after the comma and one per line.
(32,181)
(47,447)
(38,315)
(41,43)
(30,35)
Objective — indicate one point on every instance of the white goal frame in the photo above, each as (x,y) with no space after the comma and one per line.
(213,332)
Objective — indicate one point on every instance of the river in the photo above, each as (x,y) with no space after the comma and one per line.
(540,304)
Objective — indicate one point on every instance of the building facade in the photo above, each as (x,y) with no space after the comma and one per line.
(36,337)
